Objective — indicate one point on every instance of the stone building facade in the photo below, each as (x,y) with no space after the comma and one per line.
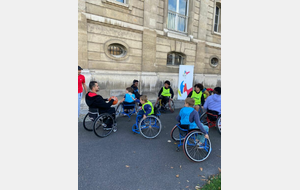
(147,40)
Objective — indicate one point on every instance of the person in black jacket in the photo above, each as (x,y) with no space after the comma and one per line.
(135,88)
(93,100)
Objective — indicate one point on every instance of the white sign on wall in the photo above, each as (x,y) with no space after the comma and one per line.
(185,81)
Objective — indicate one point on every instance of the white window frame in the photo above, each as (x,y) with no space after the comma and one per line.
(213,26)
(176,17)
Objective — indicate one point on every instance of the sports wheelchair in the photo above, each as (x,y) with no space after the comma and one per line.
(149,127)
(192,146)
(163,108)
(102,124)
(132,109)
(211,119)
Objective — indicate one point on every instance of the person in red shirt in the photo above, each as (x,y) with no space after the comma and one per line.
(81,82)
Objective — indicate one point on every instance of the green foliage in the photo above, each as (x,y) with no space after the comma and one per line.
(213,183)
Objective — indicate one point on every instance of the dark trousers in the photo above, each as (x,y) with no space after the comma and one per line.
(164,99)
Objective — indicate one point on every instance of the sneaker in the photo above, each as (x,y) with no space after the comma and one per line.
(107,128)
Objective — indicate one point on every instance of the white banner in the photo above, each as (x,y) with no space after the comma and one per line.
(185,81)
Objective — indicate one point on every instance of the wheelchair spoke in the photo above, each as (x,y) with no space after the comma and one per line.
(194,149)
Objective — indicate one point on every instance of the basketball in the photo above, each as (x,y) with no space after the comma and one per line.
(115,98)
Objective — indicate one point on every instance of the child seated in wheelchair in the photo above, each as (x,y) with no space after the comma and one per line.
(147,107)
(128,99)
(165,93)
(189,119)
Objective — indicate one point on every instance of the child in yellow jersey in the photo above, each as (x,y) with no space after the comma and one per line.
(198,96)
(147,107)
(165,93)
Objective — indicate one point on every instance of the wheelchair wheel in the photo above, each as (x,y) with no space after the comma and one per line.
(203,118)
(118,110)
(175,134)
(150,127)
(103,125)
(193,149)
(218,124)
(170,105)
(158,104)
(88,122)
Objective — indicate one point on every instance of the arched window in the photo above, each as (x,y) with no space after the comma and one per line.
(175,58)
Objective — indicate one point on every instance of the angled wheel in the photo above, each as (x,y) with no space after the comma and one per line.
(158,104)
(119,110)
(103,125)
(203,118)
(193,147)
(88,122)
(218,124)
(170,105)
(175,134)
(150,127)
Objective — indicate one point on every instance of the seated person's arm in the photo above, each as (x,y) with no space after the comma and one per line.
(122,100)
(205,104)
(197,120)
(159,93)
(100,103)
(190,94)
(202,99)
(172,93)
(148,110)
(178,118)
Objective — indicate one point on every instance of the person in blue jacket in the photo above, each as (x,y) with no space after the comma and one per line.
(189,116)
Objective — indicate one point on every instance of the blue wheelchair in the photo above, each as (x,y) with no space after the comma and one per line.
(191,142)
(149,127)
(131,109)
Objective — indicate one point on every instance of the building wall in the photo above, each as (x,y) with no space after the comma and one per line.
(141,26)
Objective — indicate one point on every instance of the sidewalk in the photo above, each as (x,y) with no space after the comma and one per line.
(84,109)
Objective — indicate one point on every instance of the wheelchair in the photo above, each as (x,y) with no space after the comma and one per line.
(190,140)
(211,119)
(164,108)
(102,124)
(149,127)
(132,109)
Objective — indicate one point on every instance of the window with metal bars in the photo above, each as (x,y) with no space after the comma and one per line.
(174,58)
(117,50)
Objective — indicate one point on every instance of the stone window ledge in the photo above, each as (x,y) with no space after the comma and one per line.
(216,33)
(177,35)
(116,3)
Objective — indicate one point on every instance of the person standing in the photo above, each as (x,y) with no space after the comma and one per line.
(81,83)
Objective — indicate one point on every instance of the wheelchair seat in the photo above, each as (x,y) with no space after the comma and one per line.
(129,106)
(93,113)
(212,115)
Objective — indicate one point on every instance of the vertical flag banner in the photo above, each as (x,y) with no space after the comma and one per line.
(185,86)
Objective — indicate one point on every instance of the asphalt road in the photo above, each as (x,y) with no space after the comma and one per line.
(128,161)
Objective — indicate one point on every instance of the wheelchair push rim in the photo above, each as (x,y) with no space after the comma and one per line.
(218,124)
(150,127)
(88,123)
(101,126)
(195,150)
(175,134)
